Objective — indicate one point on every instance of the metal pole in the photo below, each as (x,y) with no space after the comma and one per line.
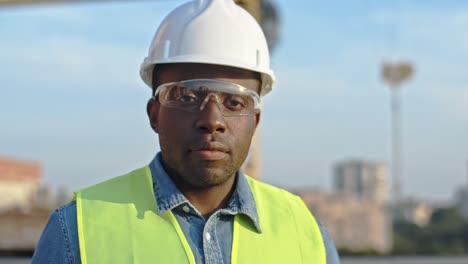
(396,142)
(395,74)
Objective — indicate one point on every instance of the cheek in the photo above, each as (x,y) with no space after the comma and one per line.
(243,131)
(172,127)
(172,120)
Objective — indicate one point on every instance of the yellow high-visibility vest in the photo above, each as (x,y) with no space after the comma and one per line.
(118,223)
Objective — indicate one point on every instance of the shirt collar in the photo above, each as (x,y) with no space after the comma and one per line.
(168,196)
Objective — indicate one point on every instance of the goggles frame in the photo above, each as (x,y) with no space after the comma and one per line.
(209,88)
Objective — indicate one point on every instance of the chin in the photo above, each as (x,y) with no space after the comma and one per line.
(211,177)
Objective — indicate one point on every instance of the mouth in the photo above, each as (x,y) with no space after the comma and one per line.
(210,151)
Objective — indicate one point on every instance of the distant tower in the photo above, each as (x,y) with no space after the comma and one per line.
(395,73)
(361,179)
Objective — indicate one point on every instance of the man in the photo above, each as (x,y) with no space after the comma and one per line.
(208,65)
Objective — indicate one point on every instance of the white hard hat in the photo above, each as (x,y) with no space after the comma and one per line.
(213,32)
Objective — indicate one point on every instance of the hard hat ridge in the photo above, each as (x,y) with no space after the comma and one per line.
(213,32)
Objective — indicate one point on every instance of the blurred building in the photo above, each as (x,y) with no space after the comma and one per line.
(21,230)
(361,179)
(49,198)
(21,223)
(413,211)
(353,223)
(356,213)
(19,181)
(461,198)
(462,201)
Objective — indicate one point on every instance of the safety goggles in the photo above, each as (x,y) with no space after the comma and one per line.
(193,95)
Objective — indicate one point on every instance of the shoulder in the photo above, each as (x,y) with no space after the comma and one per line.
(68,211)
(59,240)
(278,197)
(330,248)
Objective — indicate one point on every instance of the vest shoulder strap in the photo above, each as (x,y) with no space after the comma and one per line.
(287,226)
(118,223)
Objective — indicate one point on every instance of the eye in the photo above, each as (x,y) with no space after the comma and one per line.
(188,98)
(182,95)
(235,103)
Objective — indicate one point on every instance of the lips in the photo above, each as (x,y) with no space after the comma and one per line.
(212,150)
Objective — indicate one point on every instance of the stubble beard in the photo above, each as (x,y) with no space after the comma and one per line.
(196,174)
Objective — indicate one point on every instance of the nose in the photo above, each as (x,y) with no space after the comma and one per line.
(210,119)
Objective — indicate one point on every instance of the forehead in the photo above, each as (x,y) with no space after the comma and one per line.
(175,72)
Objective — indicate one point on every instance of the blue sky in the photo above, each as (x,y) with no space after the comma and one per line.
(71,97)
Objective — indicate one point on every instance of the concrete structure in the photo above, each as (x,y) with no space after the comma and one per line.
(19,181)
(353,223)
(362,179)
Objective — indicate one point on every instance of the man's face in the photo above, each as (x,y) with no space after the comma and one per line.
(205,149)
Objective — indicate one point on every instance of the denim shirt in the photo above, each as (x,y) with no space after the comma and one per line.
(210,239)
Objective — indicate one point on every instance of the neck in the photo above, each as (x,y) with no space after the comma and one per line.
(210,199)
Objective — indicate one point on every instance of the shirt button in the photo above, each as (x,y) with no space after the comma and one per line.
(208,236)
(185,208)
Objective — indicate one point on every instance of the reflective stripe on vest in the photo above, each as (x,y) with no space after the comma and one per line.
(118,223)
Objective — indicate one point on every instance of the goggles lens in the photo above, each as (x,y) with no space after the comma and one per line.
(193,95)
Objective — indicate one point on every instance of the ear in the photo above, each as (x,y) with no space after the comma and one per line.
(257,119)
(152,109)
